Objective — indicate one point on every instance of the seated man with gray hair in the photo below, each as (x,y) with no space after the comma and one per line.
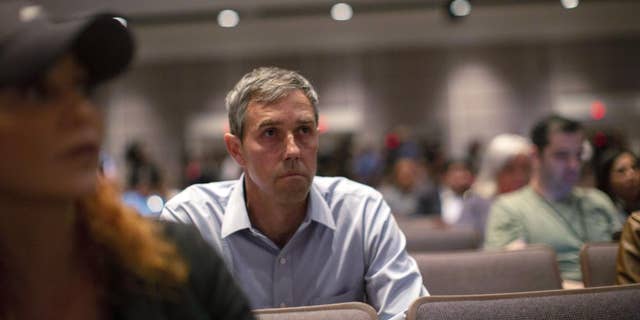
(289,237)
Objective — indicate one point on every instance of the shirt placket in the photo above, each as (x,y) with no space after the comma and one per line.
(283,281)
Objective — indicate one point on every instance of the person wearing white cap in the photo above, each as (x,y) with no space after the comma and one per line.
(69,249)
(505,167)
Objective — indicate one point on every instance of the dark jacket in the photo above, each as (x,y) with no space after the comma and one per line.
(210,292)
(629,253)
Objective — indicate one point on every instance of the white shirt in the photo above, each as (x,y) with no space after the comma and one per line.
(348,248)
(451,205)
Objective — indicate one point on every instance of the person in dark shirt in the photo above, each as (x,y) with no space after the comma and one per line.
(69,249)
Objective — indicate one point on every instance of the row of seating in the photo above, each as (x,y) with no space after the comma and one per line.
(428,234)
(466,283)
(510,284)
(426,237)
(480,272)
(530,269)
(601,303)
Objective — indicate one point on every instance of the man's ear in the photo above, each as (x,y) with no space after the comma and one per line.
(234,148)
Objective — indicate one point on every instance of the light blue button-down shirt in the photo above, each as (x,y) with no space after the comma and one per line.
(348,248)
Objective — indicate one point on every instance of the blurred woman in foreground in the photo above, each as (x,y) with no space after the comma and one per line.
(68,248)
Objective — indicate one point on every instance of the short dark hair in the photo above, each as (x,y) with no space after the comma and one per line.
(553,123)
(461,162)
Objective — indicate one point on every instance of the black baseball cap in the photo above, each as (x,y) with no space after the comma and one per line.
(30,43)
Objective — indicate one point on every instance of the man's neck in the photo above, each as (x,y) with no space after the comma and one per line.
(278,221)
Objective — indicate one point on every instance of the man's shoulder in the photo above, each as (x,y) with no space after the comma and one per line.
(591,194)
(203,193)
(340,187)
(517,204)
(592,199)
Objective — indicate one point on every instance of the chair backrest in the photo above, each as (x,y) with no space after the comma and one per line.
(601,303)
(477,272)
(598,263)
(439,239)
(337,311)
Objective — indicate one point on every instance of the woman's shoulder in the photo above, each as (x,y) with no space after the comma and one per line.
(180,233)
(210,286)
(200,257)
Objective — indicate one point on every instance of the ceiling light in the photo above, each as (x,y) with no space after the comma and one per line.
(228,18)
(341,12)
(570,4)
(459,8)
(30,12)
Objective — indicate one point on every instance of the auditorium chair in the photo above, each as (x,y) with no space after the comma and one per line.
(599,303)
(336,311)
(476,272)
(598,263)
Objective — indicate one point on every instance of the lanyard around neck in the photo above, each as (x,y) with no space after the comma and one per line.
(583,237)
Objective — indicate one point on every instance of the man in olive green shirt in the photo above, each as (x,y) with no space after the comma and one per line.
(551,210)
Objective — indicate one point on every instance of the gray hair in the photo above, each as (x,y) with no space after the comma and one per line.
(265,85)
(501,149)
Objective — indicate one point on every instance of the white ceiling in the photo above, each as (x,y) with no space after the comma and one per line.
(187,29)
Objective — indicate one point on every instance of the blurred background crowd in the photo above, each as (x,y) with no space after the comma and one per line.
(417,100)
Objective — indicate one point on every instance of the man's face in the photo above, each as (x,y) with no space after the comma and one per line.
(560,161)
(406,172)
(458,178)
(279,149)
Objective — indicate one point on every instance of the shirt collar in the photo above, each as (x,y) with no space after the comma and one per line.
(236,217)
(318,209)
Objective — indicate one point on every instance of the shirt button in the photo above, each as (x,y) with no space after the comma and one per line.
(283,305)
(283,260)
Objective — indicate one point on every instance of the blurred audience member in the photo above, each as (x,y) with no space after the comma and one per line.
(446,197)
(69,249)
(628,266)
(551,209)
(618,176)
(505,167)
(405,188)
(145,188)
(367,166)
(474,149)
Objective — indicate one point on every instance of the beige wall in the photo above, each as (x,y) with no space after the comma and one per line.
(455,94)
